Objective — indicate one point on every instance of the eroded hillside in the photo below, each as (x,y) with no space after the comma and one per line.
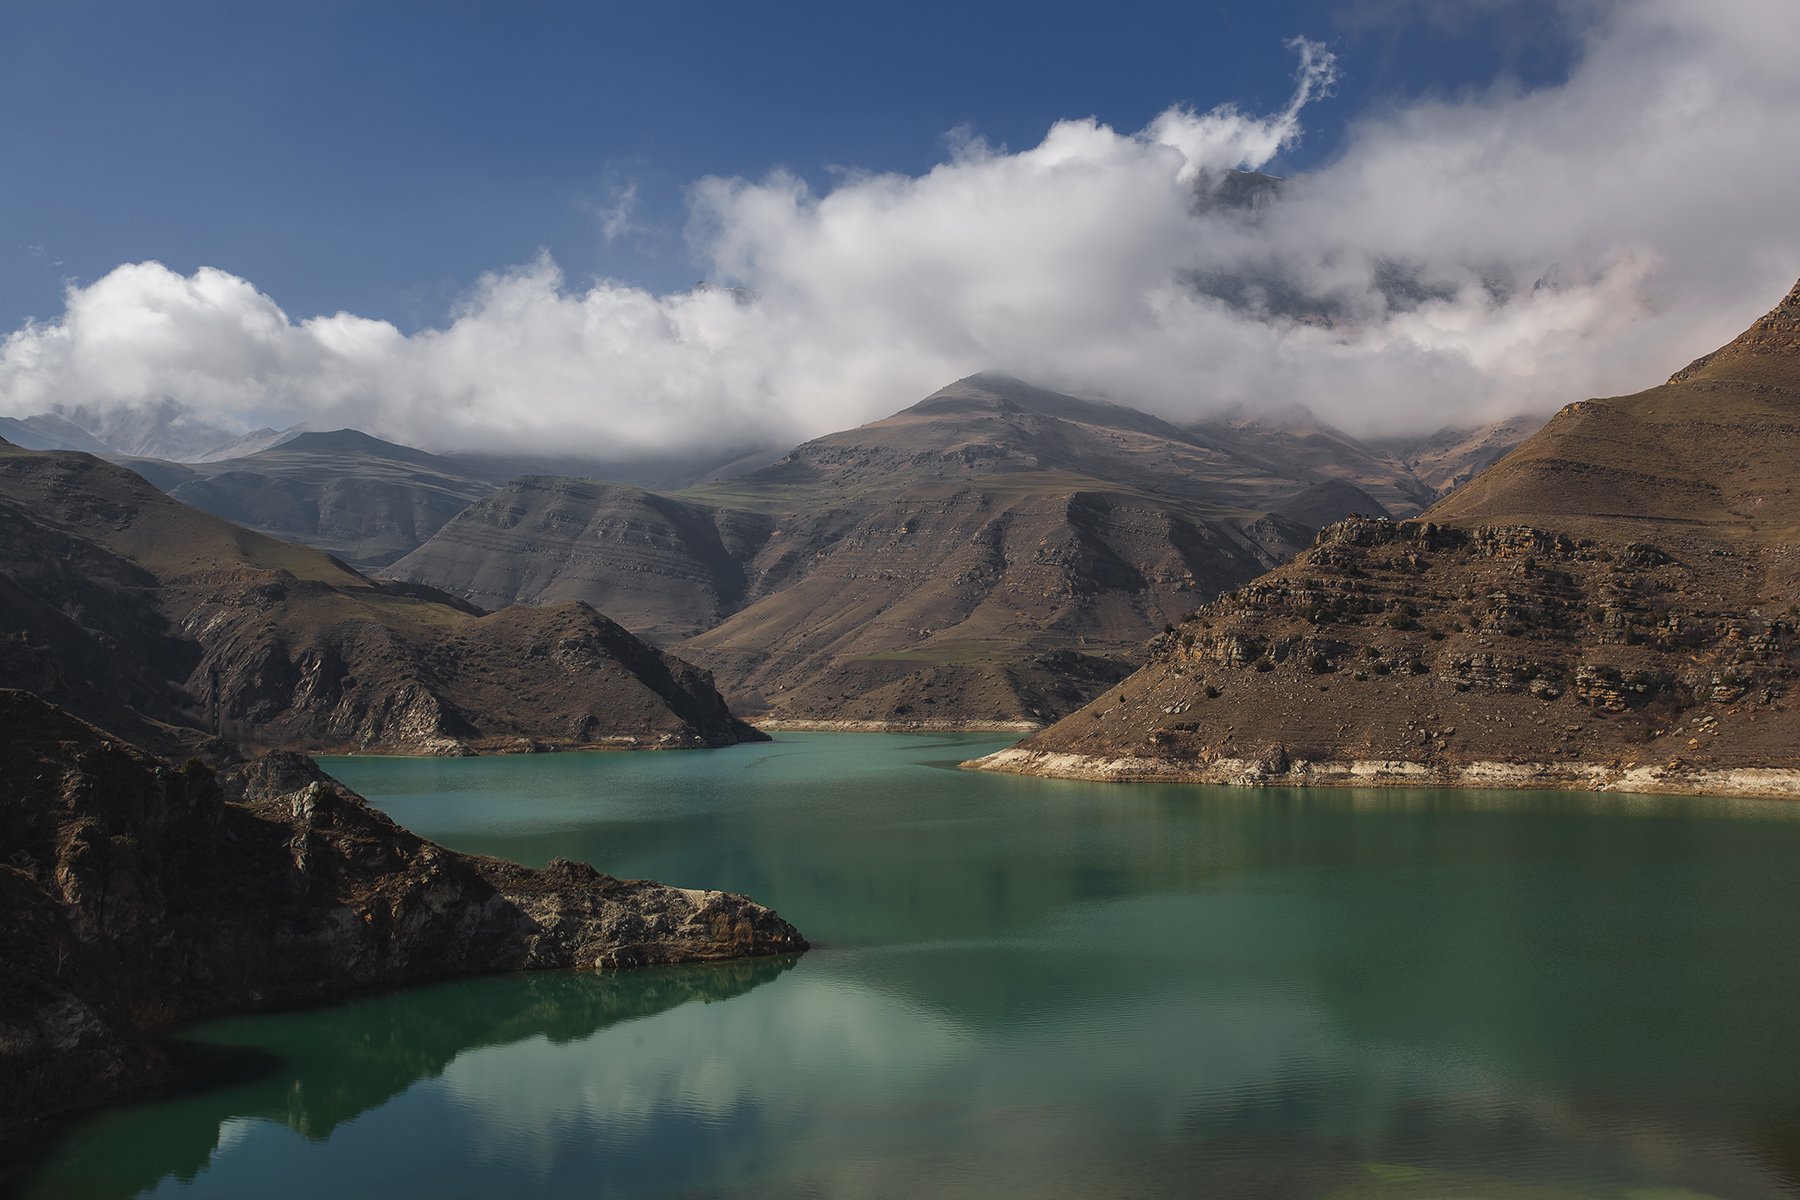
(995,553)
(1612,605)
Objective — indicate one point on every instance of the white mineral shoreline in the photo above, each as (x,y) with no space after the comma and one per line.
(809,725)
(1765,782)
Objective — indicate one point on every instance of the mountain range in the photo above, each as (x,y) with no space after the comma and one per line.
(1612,604)
(163,624)
(995,553)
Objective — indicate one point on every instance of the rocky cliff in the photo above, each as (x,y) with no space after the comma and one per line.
(1612,605)
(138,611)
(136,894)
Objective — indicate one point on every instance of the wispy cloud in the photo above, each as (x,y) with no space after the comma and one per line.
(617,210)
(1454,260)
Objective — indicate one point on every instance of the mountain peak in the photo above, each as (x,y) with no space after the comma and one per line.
(996,391)
(348,441)
(1775,332)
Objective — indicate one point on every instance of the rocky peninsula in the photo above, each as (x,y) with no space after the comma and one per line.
(138,894)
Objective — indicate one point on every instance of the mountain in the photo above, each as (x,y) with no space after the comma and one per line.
(669,470)
(47,431)
(1455,454)
(1612,605)
(365,500)
(167,430)
(369,501)
(245,444)
(995,553)
(1297,443)
(146,615)
(138,895)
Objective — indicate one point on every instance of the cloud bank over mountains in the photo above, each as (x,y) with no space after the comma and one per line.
(1456,259)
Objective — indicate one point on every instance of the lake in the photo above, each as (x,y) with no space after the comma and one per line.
(1043,988)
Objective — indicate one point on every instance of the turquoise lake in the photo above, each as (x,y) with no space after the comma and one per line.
(1041,988)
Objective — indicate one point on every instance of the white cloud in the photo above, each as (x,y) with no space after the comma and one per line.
(1454,260)
(617,212)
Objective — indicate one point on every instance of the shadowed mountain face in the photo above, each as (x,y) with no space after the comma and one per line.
(996,552)
(1613,604)
(139,612)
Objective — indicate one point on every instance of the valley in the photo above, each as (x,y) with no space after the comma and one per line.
(994,555)
(876,601)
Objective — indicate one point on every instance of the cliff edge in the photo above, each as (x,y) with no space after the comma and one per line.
(135,894)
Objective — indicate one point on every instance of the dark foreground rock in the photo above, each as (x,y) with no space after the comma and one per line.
(134,894)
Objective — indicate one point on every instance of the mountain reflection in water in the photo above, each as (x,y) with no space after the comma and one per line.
(317,1069)
(1045,988)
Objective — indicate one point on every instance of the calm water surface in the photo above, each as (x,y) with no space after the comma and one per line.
(1042,988)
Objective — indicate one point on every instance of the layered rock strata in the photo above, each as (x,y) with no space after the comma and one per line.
(137,894)
(1613,605)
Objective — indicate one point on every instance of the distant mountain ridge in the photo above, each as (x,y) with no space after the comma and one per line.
(158,621)
(47,431)
(1142,518)
(366,500)
(995,552)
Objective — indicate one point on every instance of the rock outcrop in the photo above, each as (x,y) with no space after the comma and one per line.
(136,894)
(1614,605)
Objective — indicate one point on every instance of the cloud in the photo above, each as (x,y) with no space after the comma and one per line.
(617,212)
(1454,260)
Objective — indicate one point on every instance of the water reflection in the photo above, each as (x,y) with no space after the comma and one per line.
(1038,988)
(831,1081)
(316,1070)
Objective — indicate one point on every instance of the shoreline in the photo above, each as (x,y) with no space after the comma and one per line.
(502,747)
(809,725)
(1768,783)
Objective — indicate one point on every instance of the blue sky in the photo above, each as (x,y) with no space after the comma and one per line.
(479,224)
(379,156)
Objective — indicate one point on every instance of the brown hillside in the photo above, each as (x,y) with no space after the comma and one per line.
(1614,604)
(997,552)
(119,600)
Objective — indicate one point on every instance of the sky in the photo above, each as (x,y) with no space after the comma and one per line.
(481,224)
